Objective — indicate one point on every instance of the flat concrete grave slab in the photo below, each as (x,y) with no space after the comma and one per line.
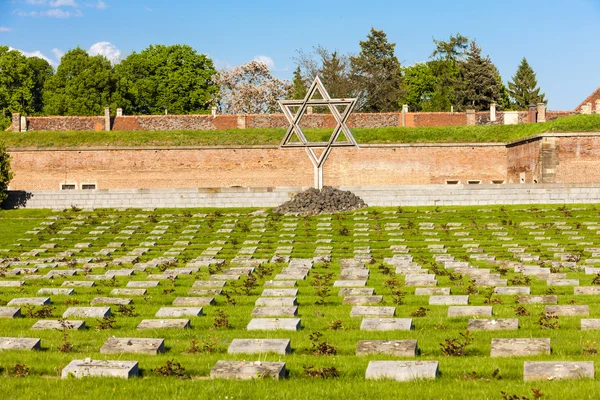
(87,312)
(420,280)
(279,284)
(209,284)
(205,292)
(513,290)
(164,324)
(590,324)
(274,324)
(402,371)
(10,312)
(12,283)
(568,311)
(78,284)
(396,348)
(29,301)
(133,345)
(9,343)
(448,300)
(362,300)
(54,324)
(366,311)
(516,347)
(550,299)
(275,312)
(177,312)
(55,291)
(469,311)
(557,370)
(356,292)
(586,290)
(279,292)
(116,301)
(508,324)
(432,291)
(194,301)
(259,346)
(248,370)
(275,302)
(347,283)
(100,368)
(142,284)
(386,324)
(128,292)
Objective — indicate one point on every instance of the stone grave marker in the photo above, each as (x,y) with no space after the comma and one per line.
(133,345)
(386,324)
(402,371)
(366,311)
(272,324)
(275,312)
(396,348)
(568,311)
(259,346)
(9,343)
(164,324)
(248,370)
(178,312)
(503,324)
(516,347)
(87,312)
(29,301)
(49,324)
(469,311)
(100,368)
(557,370)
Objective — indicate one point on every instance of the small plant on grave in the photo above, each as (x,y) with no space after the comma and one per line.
(65,346)
(521,311)
(420,312)
(548,321)
(323,373)
(322,285)
(572,302)
(596,280)
(153,218)
(337,325)
(436,269)
(263,271)
(489,297)
(168,291)
(242,226)
(249,284)
(162,267)
(457,347)
(472,289)
(589,349)
(502,270)
(228,299)
(520,280)
(74,208)
(455,277)
(207,345)
(320,348)
(112,282)
(221,320)
(46,311)
(71,302)
(126,311)
(344,231)
(105,323)
(186,214)
(400,210)
(18,371)
(385,270)
(550,291)
(171,368)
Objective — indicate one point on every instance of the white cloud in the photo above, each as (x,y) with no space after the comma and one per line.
(38,54)
(147,9)
(64,3)
(36,2)
(101,5)
(5,29)
(52,13)
(107,49)
(265,60)
(58,53)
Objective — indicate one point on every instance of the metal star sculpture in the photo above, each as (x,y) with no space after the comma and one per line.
(341,117)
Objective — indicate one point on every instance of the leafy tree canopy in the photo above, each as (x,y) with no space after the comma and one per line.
(523,88)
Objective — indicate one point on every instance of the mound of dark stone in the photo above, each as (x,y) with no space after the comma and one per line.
(325,201)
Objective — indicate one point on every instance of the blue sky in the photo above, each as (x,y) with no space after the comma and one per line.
(560,39)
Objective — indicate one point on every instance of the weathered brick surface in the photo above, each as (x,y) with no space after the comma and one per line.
(65,123)
(591,99)
(578,159)
(435,119)
(550,115)
(524,158)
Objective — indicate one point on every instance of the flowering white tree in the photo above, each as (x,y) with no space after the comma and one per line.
(250,89)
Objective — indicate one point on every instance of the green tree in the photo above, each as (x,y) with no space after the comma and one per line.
(160,77)
(82,85)
(376,71)
(479,84)
(444,65)
(419,87)
(5,174)
(16,82)
(299,88)
(524,89)
(335,74)
(41,71)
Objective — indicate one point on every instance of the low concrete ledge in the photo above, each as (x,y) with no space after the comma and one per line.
(416,195)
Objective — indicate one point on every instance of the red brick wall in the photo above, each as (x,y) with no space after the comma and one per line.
(255,167)
(578,159)
(524,157)
(65,123)
(415,120)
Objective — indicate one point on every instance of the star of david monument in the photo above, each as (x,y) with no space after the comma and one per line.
(318,152)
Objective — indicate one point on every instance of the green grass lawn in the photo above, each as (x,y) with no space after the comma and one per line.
(471,376)
(257,137)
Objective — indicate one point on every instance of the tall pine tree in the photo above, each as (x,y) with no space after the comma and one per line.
(377,73)
(479,85)
(298,85)
(524,88)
